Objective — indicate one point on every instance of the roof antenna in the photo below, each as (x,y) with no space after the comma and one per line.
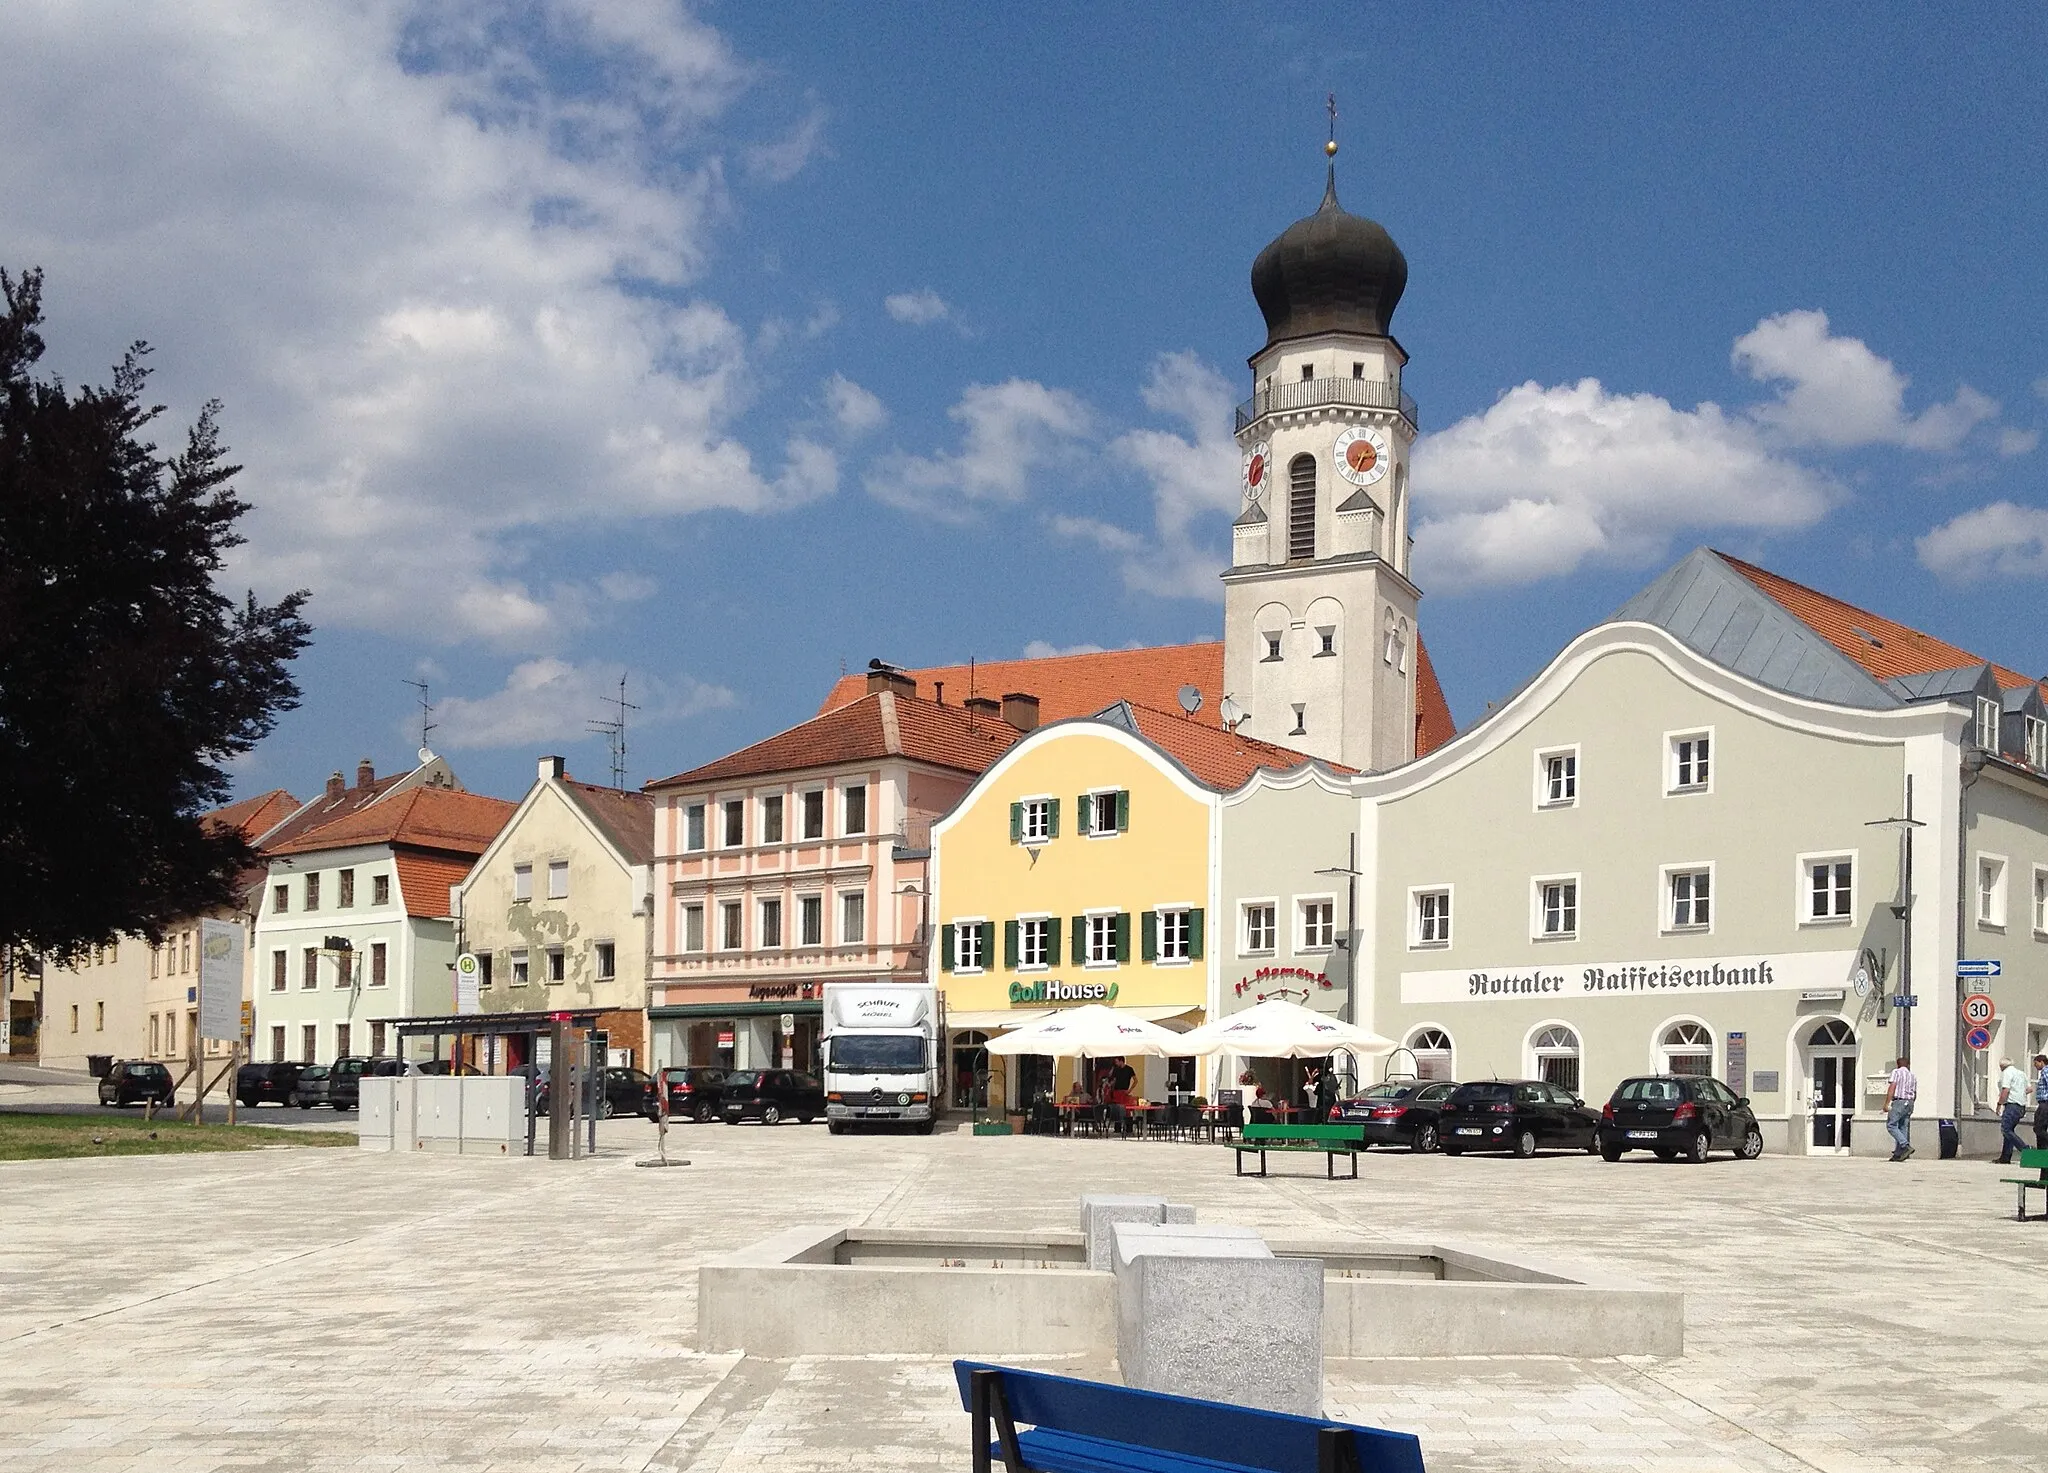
(1330,153)
(427,722)
(614,733)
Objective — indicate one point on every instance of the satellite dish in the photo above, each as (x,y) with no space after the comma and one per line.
(426,755)
(1231,712)
(1190,699)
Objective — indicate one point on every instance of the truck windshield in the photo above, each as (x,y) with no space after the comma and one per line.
(876,1053)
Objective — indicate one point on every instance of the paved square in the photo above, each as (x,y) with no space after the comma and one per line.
(333,1309)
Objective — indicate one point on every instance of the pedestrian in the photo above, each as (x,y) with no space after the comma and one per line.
(1326,1092)
(2012,1103)
(2041,1102)
(1899,1093)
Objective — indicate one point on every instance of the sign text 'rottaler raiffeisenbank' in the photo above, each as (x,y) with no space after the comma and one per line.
(1666,978)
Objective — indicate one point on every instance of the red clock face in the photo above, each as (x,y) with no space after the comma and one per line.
(1360,456)
(1255,473)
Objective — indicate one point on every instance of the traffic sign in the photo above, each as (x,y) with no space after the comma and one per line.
(1980,967)
(1978,1038)
(1979,1009)
(1901,1000)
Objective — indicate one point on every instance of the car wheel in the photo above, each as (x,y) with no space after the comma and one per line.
(1454,1150)
(1696,1148)
(1752,1144)
(702,1114)
(1610,1153)
(1666,1153)
(1425,1140)
(805,1119)
(771,1115)
(608,1110)
(1525,1143)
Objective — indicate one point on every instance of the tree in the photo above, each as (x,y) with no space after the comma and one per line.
(126,677)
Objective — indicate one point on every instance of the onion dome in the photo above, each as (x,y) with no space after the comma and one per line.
(1332,271)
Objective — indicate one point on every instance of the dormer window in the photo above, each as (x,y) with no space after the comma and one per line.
(2037,742)
(1987,723)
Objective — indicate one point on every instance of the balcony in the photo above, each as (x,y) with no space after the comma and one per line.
(1312,393)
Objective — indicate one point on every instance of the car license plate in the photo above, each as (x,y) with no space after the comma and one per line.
(1642,1135)
(1468,1130)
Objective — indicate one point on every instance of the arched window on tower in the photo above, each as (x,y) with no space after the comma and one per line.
(1301,507)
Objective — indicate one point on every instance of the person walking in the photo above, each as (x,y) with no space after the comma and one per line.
(2041,1102)
(2012,1103)
(1899,1093)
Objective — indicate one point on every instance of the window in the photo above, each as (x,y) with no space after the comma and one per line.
(1557,779)
(519,967)
(74,1017)
(853,917)
(771,923)
(1432,918)
(277,1042)
(730,925)
(558,879)
(814,814)
(693,827)
(1034,820)
(309,1043)
(1557,908)
(279,967)
(1034,943)
(1688,1049)
(1432,1050)
(344,969)
(309,967)
(2040,901)
(733,826)
(1272,647)
(1101,941)
(1556,1053)
(771,820)
(156,957)
(1691,900)
(155,1035)
(1104,813)
(380,890)
(1987,723)
(280,899)
(1990,890)
(1357,369)
(380,964)
(1691,762)
(185,952)
(1830,889)
(693,928)
(99,1017)
(522,882)
(557,964)
(1326,641)
(2037,742)
(1301,507)
(483,971)
(341,1039)
(312,892)
(377,1039)
(970,945)
(607,961)
(856,811)
(1260,927)
(1300,720)
(1308,371)
(810,920)
(345,883)
(1176,939)
(1318,928)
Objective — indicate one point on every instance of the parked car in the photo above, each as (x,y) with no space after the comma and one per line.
(693,1093)
(345,1077)
(1399,1113)
(771,1096)
(1675,1115)
(266,1084)
(626,1092)
(442,1067)
(1519,1115)
(310,1088)
(131,1083)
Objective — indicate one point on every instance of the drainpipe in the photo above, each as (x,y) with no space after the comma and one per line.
(1973,768)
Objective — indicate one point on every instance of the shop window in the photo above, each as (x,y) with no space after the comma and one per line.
(1687,1048)
(1432,918)
(1557,779)
(1432,1050)
(1556,1053)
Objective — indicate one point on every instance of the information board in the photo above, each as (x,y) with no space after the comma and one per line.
(220,980)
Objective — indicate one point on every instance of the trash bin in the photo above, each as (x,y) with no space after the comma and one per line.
(99,1065)
(1951,1140)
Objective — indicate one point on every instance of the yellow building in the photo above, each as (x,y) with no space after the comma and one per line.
(1082,867)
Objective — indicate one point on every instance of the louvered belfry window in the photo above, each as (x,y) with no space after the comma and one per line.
(1301,507)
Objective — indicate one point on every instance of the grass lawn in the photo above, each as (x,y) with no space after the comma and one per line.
(29,1137)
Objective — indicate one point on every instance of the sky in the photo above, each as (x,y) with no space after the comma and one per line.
(722,347)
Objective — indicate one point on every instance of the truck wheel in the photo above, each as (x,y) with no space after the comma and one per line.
(924,1127)
(835,1127)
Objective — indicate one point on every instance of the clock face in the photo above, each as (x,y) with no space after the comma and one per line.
(1258,466)
(1362,456)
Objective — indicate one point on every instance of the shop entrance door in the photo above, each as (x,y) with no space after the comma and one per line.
(1832,1051)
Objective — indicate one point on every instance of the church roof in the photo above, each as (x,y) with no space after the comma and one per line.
(1332,271)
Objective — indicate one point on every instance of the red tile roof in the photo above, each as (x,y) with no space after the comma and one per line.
(872,726)
(1221,759)
(1071,685)
(626,817)
(1433,723)
(324,809)
(253,817)
(423,879)
(439,819)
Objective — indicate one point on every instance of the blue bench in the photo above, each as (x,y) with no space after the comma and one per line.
(1092,1427)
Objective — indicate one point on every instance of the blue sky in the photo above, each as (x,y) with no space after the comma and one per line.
(725,345)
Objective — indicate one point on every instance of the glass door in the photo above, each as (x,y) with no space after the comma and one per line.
(1834,1100)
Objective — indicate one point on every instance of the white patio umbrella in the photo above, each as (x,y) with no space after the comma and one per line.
(1279,1029)
(1091,1031)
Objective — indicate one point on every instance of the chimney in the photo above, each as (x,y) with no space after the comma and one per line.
(883,677)
(336,786)
(366,775)
(984,706)
(550,769)
(1020,710)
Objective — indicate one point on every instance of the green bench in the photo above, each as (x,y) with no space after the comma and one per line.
(1332,1140)
(2036,1162)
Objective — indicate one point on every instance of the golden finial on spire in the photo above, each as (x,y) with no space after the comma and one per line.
(1330,148)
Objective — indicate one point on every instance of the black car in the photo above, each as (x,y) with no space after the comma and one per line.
(266,1084)
(129,1083)
(626,1092)
(345,1077)
(693,1093)
(1678,1115)
(771,1096)
(310,1089)
(1519,1115)
(1398,1113)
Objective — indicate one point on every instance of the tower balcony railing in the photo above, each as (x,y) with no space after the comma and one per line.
(1312,393)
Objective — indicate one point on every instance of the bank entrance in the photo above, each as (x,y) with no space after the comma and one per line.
(1831,1065)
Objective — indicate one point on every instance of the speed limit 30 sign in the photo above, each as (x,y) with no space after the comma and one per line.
(1979,1009)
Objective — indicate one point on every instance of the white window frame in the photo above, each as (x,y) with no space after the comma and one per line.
(558,867)
(867,808)
(1990,910)
(728,906)
(1989,712)
(1802,898)
(1301,942)
(1095,920)
(1672,787)
(2037,742)
(726,808)
(1041,804)
(1094,829)
(761,904)
(971,925)
(816,897)
(803,811)
(1659,1049)
(780,803)
(1544,757)
(1040,918)
(1162,958)
(520,972)
(683,928)
(2040,901)
(1416,894)
(1415,1033)
(702,810)
(845,897)
(522,883)
(1667,897)
(1244,925)
(1532,1057)
(1536,909)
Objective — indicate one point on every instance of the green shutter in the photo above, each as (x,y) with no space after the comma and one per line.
(1195,934)
(1082,816)
(988,945)
(1123,810)
(1052,818)
(1016,823)
(1052,941)
(1080,941)
(946,947)
(1123,936)
(1150,948)
(1010,945)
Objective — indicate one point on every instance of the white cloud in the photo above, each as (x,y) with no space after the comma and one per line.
(435,259)
(1009,430)
(2013,441)
(1834,391)
(1039,649)
(627,588)
(552,700)
(853,409)
(920,308)
(781,161)
(1548,479)
(2001,540)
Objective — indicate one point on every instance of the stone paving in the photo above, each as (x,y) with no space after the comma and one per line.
(286,1310)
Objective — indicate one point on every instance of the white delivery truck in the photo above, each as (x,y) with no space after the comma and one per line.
(884,1047)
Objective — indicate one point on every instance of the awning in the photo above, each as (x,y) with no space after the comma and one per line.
(1002,1020)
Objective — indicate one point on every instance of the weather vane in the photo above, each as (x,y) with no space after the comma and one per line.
(1330,148)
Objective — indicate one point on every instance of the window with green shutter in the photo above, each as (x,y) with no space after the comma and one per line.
(1010,946)
(1195,934)
(1123,937)
(1084,815)
(1080,952)
(1052,941)
(1149,947)
(1123,811)
(1052,818)
(946,947)
(1016,823)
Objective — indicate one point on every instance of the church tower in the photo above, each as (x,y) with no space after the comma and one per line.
(1318,614)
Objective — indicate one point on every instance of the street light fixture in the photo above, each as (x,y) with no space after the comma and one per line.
(1902,911)
(1349,945)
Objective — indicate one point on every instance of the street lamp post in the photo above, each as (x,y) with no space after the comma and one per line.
(1902,911)
(1350,871)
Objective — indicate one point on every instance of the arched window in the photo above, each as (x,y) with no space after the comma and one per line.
(1301,507)
(1432,1050)
(1832,1034)
(1556,1050)
(1687,1048)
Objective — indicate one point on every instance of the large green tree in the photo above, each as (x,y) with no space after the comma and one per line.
(127,679)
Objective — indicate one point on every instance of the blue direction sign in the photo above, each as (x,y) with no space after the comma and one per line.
(1904,1000)
(1979,967)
